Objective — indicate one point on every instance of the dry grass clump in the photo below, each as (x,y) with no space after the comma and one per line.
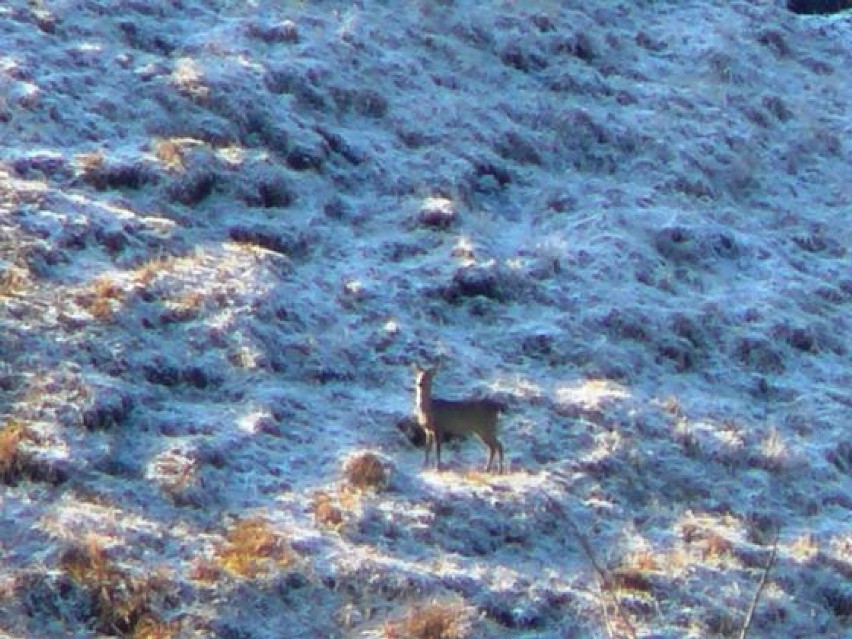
(96,171)
(184,308)
(102,298)
(684,435)
(169,152)
(252,548)
(636,575)
(18,464)
(325,512)
(123,603)
(774,455)
(88,163)
(178,477)
(12,459)
(716,546)
(150,628)
(366,472)
(146,273)
(13,280)
(436,620)
(206,570)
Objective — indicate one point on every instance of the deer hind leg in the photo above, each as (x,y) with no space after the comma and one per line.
(437,437)
(491,452)
(495,448)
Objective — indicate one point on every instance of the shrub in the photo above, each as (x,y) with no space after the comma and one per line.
(366,471)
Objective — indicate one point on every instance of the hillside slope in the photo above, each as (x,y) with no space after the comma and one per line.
(229,228)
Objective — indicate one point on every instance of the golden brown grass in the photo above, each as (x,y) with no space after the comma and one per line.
(184,308)
(169,153)
(101,298)
(206,571)
(13,460)
(325,512)
(673,407)
(252,548)
(644,561)
(366,472)
(17,463)
(151,628)
(436,620)
(146,273)
(104,295)
(89,162)
(478,477)
(629,578)
(716,546)
(124,602)
(13,281)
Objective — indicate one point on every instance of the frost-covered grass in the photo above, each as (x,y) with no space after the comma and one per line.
(227,229)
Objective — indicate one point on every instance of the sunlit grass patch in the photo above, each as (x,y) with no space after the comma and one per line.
(252,549)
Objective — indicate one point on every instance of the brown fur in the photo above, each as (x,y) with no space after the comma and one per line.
(439,417)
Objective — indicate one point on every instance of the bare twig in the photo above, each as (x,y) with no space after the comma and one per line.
(761,584)
(605,581)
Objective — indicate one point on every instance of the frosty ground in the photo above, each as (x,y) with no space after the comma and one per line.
(228,228)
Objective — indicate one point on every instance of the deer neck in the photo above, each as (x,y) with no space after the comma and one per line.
(423,403)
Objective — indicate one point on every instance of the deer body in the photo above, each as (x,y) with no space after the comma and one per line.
(439,417)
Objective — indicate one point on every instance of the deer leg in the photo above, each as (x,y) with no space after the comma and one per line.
(430,438)
(437,451)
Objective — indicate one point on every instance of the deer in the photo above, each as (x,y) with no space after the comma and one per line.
(438,417)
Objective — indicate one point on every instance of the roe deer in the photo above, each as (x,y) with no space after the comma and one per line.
(457,417)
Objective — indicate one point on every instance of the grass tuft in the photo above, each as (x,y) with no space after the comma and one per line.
(102,299)
(17,463)
(366,472)
(252,548)
(12,458)
(123,602)
(436,620)
(325,512)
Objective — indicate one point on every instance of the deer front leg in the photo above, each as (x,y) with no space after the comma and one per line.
(430,437)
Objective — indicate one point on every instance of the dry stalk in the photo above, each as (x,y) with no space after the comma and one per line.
(601,572)
(760,586)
